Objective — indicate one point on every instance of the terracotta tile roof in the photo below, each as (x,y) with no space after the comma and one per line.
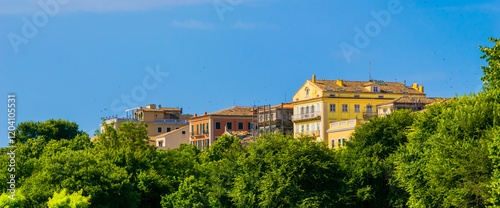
(408,100)
(234,111)
(352,86)
(237,133)
(285,105)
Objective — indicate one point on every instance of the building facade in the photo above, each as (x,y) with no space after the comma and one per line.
(206,128)
(159,120)
(318,104)
(275,119)
(173,139)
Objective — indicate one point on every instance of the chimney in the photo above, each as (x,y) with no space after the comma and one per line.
(340,82)
(414,86)
(159,106)
(314,79)
(151,106)
(421,89)
(205,113)
(181,110)
(195,115)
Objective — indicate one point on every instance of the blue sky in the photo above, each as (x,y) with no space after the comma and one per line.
(87,56)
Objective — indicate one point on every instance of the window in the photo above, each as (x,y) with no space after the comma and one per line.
(207,143)
(356,96)
(302,110)
(192,130)
(307,93)
(207,127)
(176,127)
(343,141)
(159,129)
(344,108)
(333,143)
(317,126)
(217,125)
(197,128)
(307,127)
(368,108)
(332,107)
(375,89)
(302,128)
(249,126)
(312,127)
(240,125)
(169,129)
(339,142)
(202,126)
(229,125)
(380,96)
(356,108)
(307,109)
(183,132)
(332,95)
(312,109)
(160,144)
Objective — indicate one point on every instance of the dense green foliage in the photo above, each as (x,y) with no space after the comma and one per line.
(445,156)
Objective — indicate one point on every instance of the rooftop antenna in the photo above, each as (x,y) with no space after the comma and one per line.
(370,70)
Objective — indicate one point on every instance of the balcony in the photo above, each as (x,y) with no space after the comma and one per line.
(306,116)
(315,133)
(171,121)
(344,125)
(200,136)
(119,120)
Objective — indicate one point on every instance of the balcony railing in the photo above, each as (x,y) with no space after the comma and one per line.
(310,133)
(344,123)
(305,116)
(198,136)
(172,121)
(119,120)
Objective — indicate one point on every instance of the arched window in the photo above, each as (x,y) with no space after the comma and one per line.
(312,109)
(307,109)
(307,93)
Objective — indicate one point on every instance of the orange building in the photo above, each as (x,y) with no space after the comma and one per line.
(206,128)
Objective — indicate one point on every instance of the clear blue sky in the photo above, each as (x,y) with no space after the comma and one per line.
(86,55)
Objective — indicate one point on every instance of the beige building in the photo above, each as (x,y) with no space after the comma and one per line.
(411,103)
(159,120)
(173,139)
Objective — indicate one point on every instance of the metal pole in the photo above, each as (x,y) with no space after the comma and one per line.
(269,118)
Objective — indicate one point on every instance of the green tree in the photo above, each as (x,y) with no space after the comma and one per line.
(282,171)
(446,161)
(64,200)
(492,71)
(50,130)
(368,161)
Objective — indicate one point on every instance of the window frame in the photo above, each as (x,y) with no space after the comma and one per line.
(242,126)
(346,110)
(357,108)
(217,123)
(334,109)
(229,125)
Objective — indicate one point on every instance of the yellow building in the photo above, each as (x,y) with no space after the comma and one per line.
(320,104)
